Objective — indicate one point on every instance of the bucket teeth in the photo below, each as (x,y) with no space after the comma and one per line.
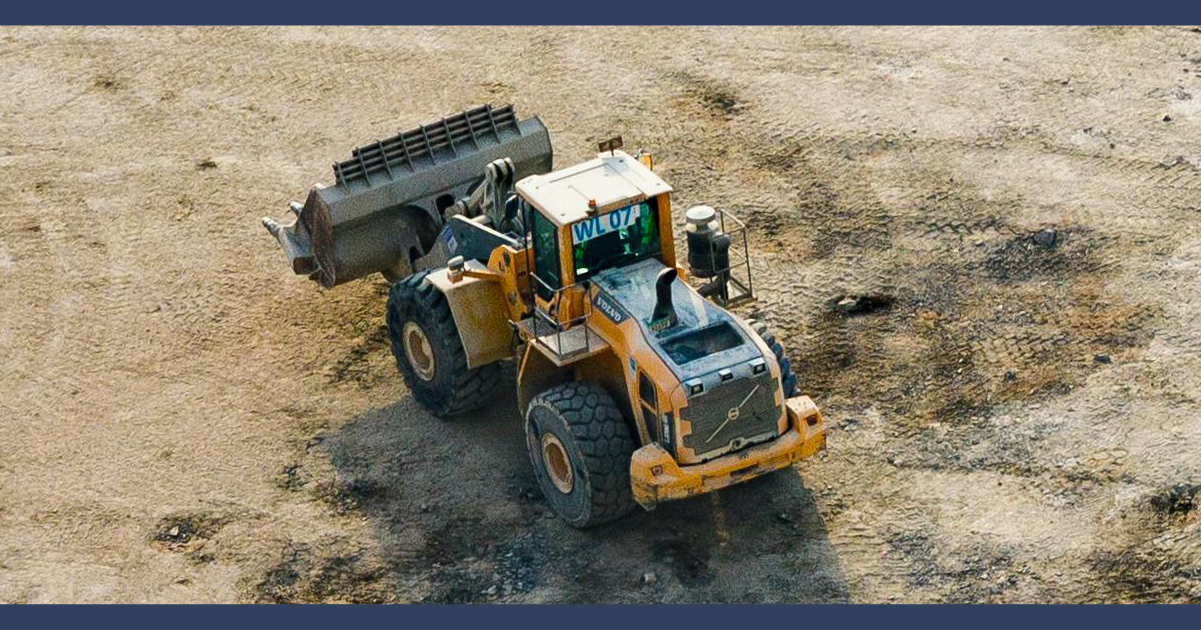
(271,226)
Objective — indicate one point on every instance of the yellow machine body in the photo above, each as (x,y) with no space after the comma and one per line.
(597,329)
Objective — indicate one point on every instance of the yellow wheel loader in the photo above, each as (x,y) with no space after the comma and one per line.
(636,385)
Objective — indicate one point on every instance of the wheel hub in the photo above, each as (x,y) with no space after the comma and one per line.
(557,464)
(418,351)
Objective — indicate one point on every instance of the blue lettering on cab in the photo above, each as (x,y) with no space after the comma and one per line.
(607,223)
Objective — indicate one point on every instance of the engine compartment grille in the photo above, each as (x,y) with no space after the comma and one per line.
(731,415)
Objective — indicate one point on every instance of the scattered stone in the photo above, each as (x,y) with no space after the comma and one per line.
(1167,118)
(649,578)
(424,507)
(846,305)
(491,590)
(205,165)
(1010,376)
(783,517)
(1046,238)
(1102,358)
(862,304)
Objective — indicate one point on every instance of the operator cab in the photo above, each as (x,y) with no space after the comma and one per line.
(608,212)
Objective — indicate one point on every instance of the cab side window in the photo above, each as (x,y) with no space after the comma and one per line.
(546,254)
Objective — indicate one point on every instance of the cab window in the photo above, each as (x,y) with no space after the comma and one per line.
(546,254)
(616,238)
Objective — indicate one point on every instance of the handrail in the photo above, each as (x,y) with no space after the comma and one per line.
(558,328)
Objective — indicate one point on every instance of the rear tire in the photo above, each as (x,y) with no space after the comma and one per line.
(580,447)
(787,378)
(429,353)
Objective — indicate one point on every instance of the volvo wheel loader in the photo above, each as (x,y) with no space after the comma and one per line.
(635,382)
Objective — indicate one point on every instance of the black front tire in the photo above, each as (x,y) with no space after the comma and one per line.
(585,421)
(452,389)
(787,378)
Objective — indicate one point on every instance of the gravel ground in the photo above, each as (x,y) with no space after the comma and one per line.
(1014,401)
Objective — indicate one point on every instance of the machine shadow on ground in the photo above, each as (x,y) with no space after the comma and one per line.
(460,518)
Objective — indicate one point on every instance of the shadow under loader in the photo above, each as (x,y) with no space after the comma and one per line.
(460,519)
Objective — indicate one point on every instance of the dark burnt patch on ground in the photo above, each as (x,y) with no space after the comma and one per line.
(329,571)
(177,531)
(689,561)
(189,533)
(706,96)
(1152,554)
(466,561)
(1045,254)
(356,365)
(346,496)
(1178,502)
(975,574)
(1017,320)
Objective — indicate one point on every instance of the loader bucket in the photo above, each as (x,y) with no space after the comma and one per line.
(388,201)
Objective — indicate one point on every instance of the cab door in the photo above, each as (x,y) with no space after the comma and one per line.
(547,267)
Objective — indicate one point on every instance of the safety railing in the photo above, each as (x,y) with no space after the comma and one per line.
(571,337)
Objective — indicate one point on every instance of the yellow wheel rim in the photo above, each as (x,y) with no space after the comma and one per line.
(418,351)
(557,464)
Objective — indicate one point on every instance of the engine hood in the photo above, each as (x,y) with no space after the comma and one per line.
(704,339)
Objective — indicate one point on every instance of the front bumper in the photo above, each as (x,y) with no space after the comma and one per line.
(655,476)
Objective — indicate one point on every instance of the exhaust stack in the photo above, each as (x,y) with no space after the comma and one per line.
(664,316)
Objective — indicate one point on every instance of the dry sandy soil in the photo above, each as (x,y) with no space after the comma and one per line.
(1016,419)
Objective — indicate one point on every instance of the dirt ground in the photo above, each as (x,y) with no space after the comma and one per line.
(1015,411)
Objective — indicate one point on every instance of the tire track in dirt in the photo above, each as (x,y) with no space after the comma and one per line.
(1013,418)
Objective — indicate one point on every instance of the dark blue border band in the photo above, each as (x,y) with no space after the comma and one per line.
(604,12)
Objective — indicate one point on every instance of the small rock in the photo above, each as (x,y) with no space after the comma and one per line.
(649,578)
(1010,376)
(491,590)
(784,517)
(1046,238)
(174,532)
(424,507)
(1102,358)
(1167,118)
(846,304)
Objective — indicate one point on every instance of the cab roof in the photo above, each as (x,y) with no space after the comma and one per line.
(611,180)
